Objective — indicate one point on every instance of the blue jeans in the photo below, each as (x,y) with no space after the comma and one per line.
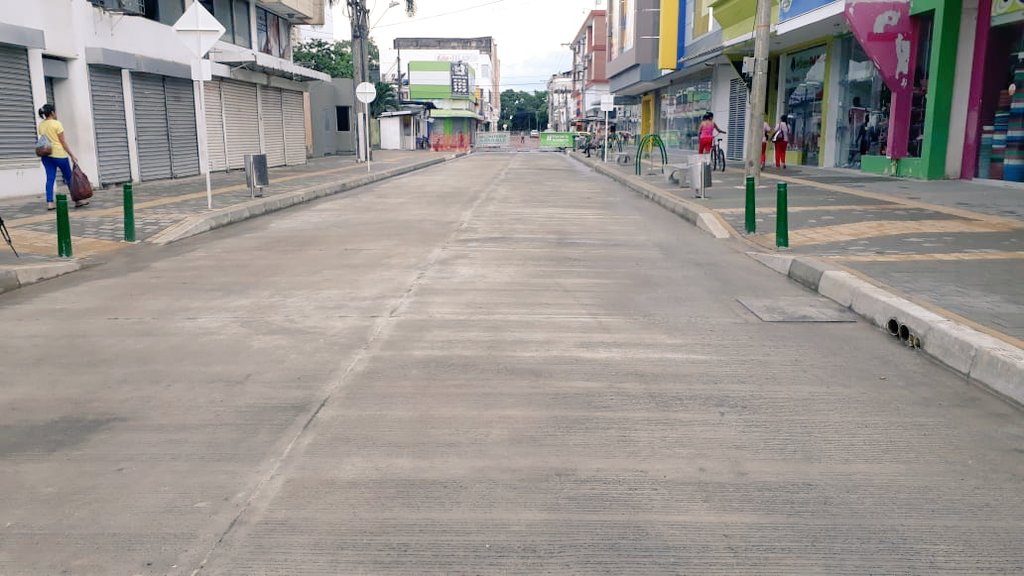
(51,164)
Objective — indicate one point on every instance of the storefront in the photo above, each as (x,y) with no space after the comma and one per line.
(682,107)
(862,117)
(802,90)
(998,84)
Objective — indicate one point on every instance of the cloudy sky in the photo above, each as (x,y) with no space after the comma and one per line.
(529,33)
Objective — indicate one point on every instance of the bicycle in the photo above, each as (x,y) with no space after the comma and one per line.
(717,156)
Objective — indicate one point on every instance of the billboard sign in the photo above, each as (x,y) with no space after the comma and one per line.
(492,139)
(556,140)
(460,79)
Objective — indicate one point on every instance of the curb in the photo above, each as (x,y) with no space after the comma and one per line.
(973,354)
(995,364)
(704,218)
(14,277)
(200,223)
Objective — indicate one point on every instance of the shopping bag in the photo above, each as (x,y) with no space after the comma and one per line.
(43,146)
(81,188)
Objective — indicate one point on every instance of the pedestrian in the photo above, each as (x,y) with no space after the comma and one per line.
(706,133)
(780,139)
(57,157)
(766,133)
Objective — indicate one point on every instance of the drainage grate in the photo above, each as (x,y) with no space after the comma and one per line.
(797,309)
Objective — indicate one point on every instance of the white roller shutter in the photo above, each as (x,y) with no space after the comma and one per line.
(737,118)
(17,111)
(273,125)
(242,121)
(215,127)
(294,128)
(181,127)
(111,129)
(151,126)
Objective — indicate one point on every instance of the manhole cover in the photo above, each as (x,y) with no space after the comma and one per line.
(797,309)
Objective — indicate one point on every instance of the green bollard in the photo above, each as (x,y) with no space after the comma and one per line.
(63,227)
(751,215)
(129,213)
(782,216)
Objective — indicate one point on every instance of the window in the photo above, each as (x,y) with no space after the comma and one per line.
(343,119)
(233,15)
(273,34)
(701,18)
(163,11)
(919,101)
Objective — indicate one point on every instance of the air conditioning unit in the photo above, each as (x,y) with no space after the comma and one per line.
(134,7)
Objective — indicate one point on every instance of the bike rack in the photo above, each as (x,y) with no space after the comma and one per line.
(650,140)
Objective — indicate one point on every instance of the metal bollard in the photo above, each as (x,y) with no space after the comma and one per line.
(63,227)
(750,218)
(782,216)
(129,213)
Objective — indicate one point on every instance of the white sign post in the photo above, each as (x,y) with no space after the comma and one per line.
(366,93)
(199,30)
(607,105)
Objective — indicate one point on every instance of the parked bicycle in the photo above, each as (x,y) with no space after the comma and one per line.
(717,156)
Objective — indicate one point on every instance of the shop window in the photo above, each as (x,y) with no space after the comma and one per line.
(862,121)
(919,102)
(273,34)
(683,106)
(343,113)
(804,81)
(1000,153)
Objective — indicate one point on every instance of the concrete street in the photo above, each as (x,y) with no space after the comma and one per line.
(505,364)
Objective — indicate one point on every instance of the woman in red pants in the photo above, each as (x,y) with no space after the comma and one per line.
(780,139)
(706,133)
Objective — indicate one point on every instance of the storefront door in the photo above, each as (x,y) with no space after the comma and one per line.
(803,76)
(862,120)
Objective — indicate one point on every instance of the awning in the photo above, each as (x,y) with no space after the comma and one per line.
(260,62)
(455,114)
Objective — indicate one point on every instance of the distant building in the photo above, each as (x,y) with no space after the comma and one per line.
(589,79)
(561,103)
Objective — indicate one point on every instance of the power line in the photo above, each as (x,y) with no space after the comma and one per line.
(417,19)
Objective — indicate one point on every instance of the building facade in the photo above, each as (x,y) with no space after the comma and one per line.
(916,88)
(125,87)
(561,102)
(590,61)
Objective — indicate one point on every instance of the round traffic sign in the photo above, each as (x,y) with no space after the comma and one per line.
(366,92)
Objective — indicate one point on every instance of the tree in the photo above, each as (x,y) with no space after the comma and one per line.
(334,59)
(386,99)
(524,111)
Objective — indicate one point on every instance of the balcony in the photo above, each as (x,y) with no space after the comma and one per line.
(297,11)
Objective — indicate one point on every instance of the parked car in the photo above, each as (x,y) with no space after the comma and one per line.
(534,134)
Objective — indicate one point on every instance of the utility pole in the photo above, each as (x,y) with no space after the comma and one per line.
(360,30)
(758,90)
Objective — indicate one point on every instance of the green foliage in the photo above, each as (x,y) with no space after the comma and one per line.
(333,59)
(523,110)
(386,100)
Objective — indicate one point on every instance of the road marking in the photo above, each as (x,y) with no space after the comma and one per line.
(877,228)
(944,257)
(45,244)
(844,207)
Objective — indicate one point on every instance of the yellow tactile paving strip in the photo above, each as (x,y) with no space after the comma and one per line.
(876,228)
(844,207)
(945,257)
(164,201)
(45,244)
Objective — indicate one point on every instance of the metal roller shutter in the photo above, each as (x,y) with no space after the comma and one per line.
(181,126)
(17,111)
(111,129)
(215,127)
(151,126)
(294,127)
(241,122)
(273,125)
(737,118)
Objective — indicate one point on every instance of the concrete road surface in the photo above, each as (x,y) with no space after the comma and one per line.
(501,365)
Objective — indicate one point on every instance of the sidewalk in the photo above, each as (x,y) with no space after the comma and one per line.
(954,246)
(99,228)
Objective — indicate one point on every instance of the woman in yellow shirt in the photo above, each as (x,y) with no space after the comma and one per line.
(59,153)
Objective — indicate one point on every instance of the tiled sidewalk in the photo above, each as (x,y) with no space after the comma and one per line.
(99,227)
(963,253)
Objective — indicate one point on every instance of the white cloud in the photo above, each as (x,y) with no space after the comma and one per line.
(529,33)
